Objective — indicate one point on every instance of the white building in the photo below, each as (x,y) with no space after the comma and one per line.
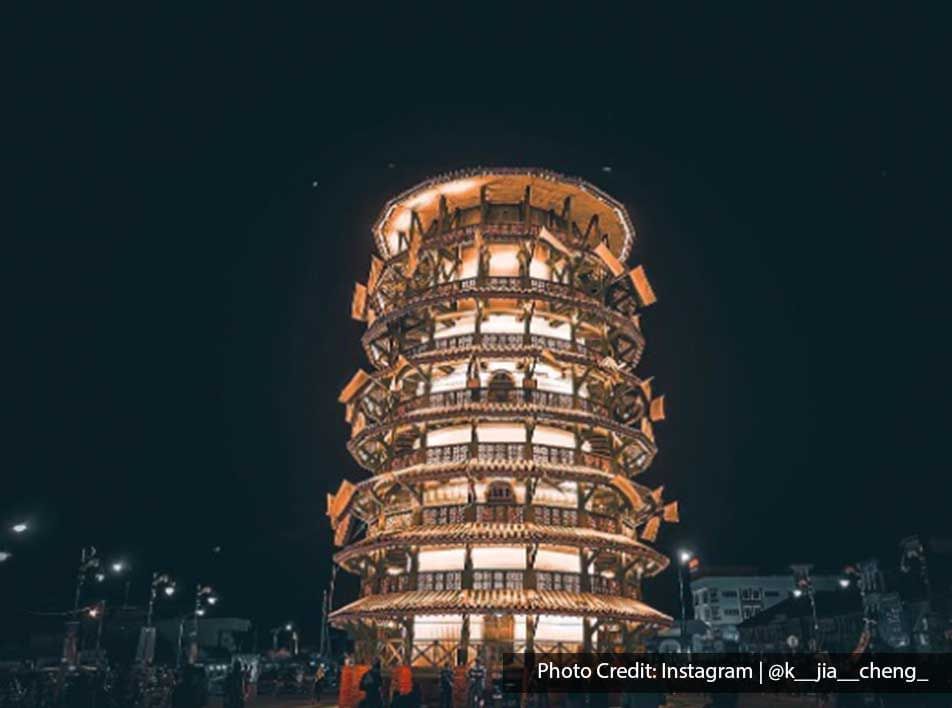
(729,597)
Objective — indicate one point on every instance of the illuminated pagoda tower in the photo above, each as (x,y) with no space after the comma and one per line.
(503,426)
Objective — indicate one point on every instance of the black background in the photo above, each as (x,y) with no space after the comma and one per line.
(176,290)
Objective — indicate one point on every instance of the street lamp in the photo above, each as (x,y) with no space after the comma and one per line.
(287,627)
(17,529)
(168,587)
(803,584)
(844,583)
(201,592)
(684,557)
(88,561)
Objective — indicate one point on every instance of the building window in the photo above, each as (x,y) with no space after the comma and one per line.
(501,387)
(554,516)
(448,580)
(568,582)
(500,493)
(729,593)
(732,612)
(497,580)
(771,593)
(440,515)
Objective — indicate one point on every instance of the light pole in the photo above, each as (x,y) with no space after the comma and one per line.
(684,557)
(803,583)
(87,562)
(122,568)
(287,627)
(158,580)
(201,592)
(16,529)
(98,612)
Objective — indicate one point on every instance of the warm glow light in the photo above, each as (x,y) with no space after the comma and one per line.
(798,593)
(457,187)
(685,556)
(118,567)
(169,590)
(20,528)
(200,612)
(844,582)
(4,556)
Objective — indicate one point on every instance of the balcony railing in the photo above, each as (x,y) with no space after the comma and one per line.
(462,452)
(511,340)
(503,514)
(460,397)
(495,283)
(495,579)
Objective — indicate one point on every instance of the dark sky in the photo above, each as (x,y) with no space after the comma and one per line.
(176,292)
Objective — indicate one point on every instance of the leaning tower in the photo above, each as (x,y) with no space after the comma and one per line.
(503,428)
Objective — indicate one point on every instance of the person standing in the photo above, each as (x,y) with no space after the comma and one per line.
(235,687)
(446,686)
(477,684)
(319,676)
(372,685)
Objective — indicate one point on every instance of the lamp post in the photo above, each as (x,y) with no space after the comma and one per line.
(684,557)
(87,562)
(17,529)
(120,568)
(287,627)
(202,592)
(98,612)
(803,584)
(158,580)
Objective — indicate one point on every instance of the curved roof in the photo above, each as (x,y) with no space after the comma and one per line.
(506,185)
(488,534)
(555,602)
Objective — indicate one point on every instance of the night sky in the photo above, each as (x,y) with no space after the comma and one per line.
(176,289)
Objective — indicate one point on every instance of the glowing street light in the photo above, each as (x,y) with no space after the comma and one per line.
(5,556)
(118,567)
(684,557)
(168,587)
(797,592)
(844,583)
(21,527)
(212,599)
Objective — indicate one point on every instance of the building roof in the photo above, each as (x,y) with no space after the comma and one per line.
(488,534)
(828,604)
(506,185)
(394,605)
